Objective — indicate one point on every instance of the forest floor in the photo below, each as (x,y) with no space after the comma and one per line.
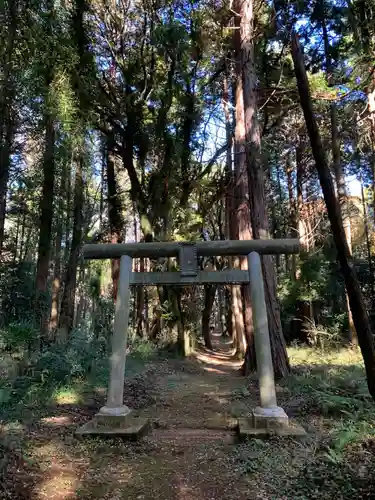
(191,452)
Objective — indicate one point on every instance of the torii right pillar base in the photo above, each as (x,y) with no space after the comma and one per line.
(266,422)
(115,422)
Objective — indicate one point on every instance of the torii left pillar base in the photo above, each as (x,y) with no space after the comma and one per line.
(115,422)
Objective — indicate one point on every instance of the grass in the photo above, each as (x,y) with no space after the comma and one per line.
(327,393)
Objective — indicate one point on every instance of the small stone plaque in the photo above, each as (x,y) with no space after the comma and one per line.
(188,260)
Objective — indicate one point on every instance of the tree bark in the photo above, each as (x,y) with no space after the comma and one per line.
(229,192)
(6,112)
(275,209)
(57,267)
(241,209)
(371,109)
(209,298)
(79,316)
(367,237)
(229,178)
(337,164)
(140,310)
(66,322)
(258,212)
(116,222)
(56,282)
(232,230)
(292,213)
(360,316)
(343,201)
(45,224)
(301,224)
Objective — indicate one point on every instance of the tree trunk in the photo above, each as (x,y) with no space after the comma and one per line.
(292,232)
(68,300)
(258,212)
(337,164)
(228,308)
(343,201)
(5,155)
(241,209)
(301,224)
(237,318)
(360,317)
(371,109)
(147,313)
(229,178)
(79,317)
(22,237)
(229,219)
(68,210)
(140,311)
(209,298)
(368,242)
(102,182)
(238,327)
(276,208)
(6,112)
(56,282)
(183,337)
(222,310)
(116,222)
(18,224)
(45,224)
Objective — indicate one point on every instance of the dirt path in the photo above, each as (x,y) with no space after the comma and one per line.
(187,455)
(191,452)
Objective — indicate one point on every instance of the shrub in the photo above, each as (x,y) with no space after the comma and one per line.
(17,336)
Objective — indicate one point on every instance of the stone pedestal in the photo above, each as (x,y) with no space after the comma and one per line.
(255,427)
(265,422)
(269,418)
(115,422)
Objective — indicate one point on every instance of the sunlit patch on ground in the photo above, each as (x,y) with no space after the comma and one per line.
(214,370)
(61,485)
(66,396)
(183,491)
(57,421)
(49,451)
(220,361)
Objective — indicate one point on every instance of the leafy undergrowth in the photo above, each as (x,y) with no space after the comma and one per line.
(327,393)
(190,453)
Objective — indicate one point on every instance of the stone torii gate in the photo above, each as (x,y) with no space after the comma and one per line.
(115,418)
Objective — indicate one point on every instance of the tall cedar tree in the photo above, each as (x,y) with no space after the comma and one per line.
(257,199)
(360,316)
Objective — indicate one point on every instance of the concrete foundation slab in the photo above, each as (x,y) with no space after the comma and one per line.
(127,427)
(246,429)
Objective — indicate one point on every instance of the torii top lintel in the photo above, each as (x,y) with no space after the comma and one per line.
(202,248)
